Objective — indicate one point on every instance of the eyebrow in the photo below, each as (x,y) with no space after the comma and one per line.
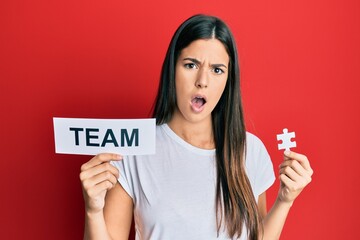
(194,60)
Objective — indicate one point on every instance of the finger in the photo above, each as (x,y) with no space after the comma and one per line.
(285,180)
(104,176)
(302,159)
(300,181)
(99,188)
(296,166)
(100,158)
(99,169)
(290,173)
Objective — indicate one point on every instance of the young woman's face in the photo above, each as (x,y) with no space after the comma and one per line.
(200,78)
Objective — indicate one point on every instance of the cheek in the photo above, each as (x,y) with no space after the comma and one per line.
(220,86)
(178,80)
(183,82)
(179,87)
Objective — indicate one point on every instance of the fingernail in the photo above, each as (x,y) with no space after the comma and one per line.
(119,157)
(287,153)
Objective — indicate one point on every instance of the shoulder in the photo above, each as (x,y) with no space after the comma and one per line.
(253,143)
(162,132)
(256,153)
(258,165)
(251,137)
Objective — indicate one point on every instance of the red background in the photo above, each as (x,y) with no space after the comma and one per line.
(101,59)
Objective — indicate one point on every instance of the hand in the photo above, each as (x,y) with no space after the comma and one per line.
(295,174)
(97,177)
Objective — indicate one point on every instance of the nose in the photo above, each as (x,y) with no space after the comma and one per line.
(202,79)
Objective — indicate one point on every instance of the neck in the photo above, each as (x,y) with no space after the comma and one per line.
(198,134)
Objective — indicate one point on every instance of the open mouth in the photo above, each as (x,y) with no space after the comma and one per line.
(198,103)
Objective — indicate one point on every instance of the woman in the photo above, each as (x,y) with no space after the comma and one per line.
(208,178)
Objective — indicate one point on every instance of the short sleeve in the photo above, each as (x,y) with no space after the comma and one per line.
(258,165)
(124,175)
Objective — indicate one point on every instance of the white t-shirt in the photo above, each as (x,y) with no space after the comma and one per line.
(174,190)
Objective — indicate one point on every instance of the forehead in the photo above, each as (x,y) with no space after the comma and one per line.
(211,50)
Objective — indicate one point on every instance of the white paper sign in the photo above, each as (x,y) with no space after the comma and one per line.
(93,136)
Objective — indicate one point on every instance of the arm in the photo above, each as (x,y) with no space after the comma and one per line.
(274,221)
(118,212)
(295,174)
(108,208)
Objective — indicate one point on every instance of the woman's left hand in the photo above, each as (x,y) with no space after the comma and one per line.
(295,173)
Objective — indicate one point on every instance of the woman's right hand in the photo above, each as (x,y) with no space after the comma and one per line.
(97,177)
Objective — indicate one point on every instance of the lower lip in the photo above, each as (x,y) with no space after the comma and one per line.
(197,109)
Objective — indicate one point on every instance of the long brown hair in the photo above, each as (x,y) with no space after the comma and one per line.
(235,202)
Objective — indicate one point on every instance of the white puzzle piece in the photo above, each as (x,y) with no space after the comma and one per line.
(286,137)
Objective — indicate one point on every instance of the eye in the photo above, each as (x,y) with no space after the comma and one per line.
(218,71)
(190,65)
